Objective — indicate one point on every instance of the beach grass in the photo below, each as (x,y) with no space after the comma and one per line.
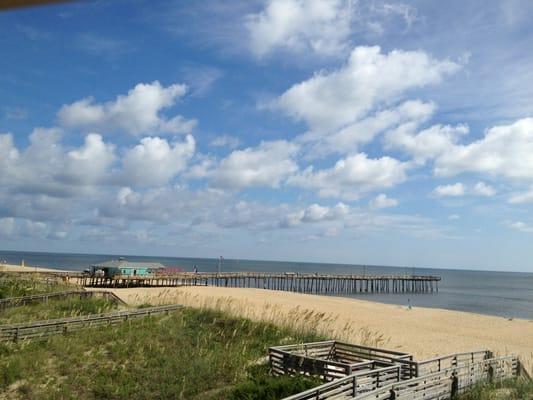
(15,286)
(185,355)
(56,308)
(508,389)
(301,320)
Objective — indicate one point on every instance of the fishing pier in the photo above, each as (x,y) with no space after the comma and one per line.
(291,282)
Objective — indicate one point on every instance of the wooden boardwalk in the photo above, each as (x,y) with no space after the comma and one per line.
(379,384)
(293,282)
(360,372)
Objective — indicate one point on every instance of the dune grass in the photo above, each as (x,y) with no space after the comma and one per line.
(56,308)
(188,354)
(296,319)
(15,286)
(509,389)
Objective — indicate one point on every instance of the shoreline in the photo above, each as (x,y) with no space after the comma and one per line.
(29,268)
(425,332)
(36,269)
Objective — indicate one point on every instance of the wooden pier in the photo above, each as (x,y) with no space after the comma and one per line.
(292,282)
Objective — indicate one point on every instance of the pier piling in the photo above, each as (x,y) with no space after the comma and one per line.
(292,282)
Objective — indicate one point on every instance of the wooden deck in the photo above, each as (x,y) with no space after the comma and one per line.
(333,359)
(379,384)
(359,372)
(293,282)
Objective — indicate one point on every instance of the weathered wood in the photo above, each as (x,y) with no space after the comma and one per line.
(438,385)
(40,329)
(377,384)
(294,282)
(331,359)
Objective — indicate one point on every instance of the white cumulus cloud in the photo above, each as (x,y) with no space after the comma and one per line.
(330,100)
(521,226)
(382,201)
(351,176)
(266,165)
(504,151)
(482,189)
(453,190)
(154,161)
(322,27)
(138,112)
(349,138)
(523,197)
(426,144)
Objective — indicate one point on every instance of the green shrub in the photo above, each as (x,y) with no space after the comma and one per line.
(260,385)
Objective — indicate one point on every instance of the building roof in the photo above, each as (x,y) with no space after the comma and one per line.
(128,264)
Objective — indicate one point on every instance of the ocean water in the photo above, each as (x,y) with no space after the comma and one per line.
(504,294)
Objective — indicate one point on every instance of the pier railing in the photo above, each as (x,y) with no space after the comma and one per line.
(294,282)
(41,329)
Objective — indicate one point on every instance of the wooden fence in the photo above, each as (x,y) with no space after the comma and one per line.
(413,369)
(378,384)
(45,297)
(350,386)
(438,385)
(331,359)
(41,329)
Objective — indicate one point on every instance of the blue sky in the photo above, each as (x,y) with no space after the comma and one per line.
(377,132)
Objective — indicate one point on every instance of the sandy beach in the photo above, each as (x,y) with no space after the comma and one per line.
(27,268)
(425,332)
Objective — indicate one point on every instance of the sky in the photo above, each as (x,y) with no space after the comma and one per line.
(363,132)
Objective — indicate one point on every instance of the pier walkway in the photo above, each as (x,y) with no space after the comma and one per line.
(293,282)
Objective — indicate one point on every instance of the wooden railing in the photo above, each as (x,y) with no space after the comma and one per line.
(352,385)
(37,298)
(294,282)
(330,359)
(413,369)
(41,329)
(450,361)
(333,359)
(438,385)
(378,384)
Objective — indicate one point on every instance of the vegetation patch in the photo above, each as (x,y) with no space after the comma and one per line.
(260,385)
(14,286)
(56,308)
(509,389)
(186,355)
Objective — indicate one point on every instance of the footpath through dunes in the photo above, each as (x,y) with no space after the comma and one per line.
(424,332)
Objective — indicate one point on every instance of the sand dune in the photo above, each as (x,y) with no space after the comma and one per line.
(425,332)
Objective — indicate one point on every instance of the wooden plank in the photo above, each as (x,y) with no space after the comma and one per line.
(57,326)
